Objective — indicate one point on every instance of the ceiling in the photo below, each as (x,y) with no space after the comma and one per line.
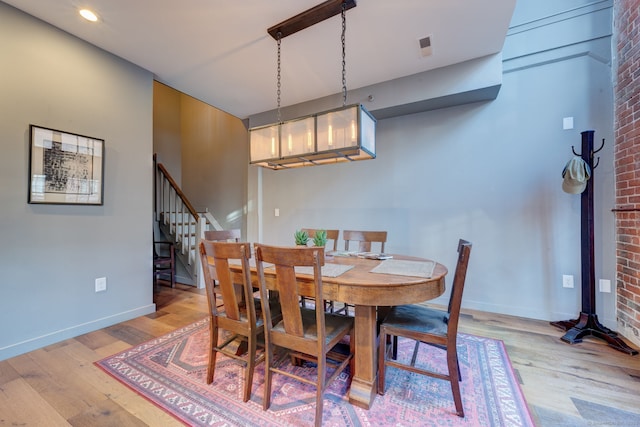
(219,51)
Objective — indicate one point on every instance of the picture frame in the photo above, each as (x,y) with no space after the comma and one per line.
(65,168)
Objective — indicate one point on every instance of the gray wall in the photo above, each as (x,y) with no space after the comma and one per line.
(51,254)
(489,172)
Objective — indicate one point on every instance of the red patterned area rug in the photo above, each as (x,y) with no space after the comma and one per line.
(170,372)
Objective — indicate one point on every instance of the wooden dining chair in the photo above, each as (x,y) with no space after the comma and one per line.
(430,326)
(232,235)
(309,334)
(364,239)
(164,262)
(332,235)
(240,315)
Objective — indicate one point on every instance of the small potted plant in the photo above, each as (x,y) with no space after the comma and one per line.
(320,238)
(301,237)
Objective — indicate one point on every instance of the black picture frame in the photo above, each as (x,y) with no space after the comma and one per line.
(65,168)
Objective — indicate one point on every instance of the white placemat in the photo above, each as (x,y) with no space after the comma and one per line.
(403,267)
(328,270)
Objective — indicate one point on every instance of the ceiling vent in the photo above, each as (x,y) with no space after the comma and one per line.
(425,46)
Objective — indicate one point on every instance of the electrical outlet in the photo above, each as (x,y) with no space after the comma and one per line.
(101,284)
(567,281)
(605,285)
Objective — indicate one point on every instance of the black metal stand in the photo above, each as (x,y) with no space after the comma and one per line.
(587,323)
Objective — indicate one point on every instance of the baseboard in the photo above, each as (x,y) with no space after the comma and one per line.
(526,312)
(184,279)
(26,346)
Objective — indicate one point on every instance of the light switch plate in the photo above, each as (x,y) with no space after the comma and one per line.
(567,281)
(567,123)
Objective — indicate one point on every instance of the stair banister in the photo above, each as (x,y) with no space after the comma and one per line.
(184,224)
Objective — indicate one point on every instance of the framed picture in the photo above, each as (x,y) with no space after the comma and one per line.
(65,168)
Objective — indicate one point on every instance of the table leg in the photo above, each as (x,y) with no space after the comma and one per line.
(363,385)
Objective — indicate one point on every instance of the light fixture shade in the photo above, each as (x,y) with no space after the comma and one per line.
(340,135)
(298,137)
(265,143)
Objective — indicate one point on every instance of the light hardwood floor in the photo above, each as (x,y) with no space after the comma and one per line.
(586,384)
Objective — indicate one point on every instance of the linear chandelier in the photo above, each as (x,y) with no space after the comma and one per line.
(343,134)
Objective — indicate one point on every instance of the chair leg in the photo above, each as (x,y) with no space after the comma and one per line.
(382,351)
(319,408)
(213,334)
(344,308)
(322,366)
(352,349)
(173,268)
(251,362)
(268,356)
(328,306)
(454,379)
(394,351)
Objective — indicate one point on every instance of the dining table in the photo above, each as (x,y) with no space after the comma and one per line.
(370,285)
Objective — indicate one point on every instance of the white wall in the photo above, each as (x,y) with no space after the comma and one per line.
(51,254)
(487,172)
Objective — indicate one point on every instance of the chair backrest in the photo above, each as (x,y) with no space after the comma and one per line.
(285,259)
(232,235)
(364,239)
(457,288)
(222,252)
(161,249)
(161,246)
(331,235)
(223,235)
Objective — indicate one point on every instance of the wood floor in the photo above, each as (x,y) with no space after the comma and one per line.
(586,384)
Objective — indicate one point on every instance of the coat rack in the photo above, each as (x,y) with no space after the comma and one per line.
(587,323)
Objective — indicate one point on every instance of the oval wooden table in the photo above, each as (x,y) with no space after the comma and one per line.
(367,291)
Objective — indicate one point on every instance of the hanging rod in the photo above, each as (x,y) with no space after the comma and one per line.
(310,17)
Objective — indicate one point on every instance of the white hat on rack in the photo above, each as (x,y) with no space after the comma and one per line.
(575,175)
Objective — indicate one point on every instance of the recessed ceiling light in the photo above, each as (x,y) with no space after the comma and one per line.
(88,15)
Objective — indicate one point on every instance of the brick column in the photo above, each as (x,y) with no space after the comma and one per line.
(627,164)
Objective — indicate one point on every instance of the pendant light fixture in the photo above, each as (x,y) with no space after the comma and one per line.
(339,135)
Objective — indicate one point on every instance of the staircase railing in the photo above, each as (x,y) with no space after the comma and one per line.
(180,220)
